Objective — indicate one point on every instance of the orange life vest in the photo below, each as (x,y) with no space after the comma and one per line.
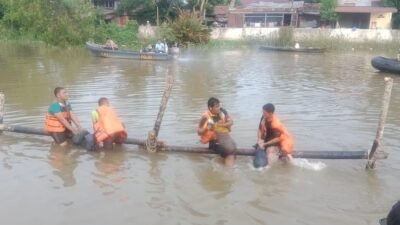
(108,125)
(52,124)
(209,135)
(286,140)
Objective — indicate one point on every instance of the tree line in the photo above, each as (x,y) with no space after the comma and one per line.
(73,22)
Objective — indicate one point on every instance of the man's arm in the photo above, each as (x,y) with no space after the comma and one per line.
(276,140)
(260,138)
(75,120)
(201,128)
(272,141)
(61,118)
(228,119)
(260,135)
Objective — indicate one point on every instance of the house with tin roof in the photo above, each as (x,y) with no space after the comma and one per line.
(260,13)
(362,14)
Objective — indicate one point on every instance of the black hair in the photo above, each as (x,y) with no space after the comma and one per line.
(269,108)
(212,102)
(102,100)
(57,90)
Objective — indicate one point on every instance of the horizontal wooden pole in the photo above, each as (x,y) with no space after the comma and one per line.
(202,150)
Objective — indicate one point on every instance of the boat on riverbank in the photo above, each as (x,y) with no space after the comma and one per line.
(100,51)
(292,49)
(386,64)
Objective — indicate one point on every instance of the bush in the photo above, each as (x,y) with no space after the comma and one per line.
(167,32)
(187,29)
(286,37)
(283,38)
(57,22)
(126,35)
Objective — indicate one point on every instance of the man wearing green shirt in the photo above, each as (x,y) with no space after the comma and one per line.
(60,118)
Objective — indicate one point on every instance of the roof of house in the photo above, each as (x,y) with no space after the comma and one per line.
(269,6)
(252,2)
(311,8)
(365,9)
(221,9)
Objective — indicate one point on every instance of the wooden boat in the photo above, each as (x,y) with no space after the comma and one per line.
(291,49)
(100,51)
(386,64)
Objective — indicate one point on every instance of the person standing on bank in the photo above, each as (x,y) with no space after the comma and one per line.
(214,128)
(273,137)
(61,123)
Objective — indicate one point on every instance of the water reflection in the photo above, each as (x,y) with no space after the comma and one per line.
(328,102)
(64,161)
(215,180)
(110,166)
(110,162)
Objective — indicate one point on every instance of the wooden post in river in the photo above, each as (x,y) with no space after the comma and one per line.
(376,151)
(152,136)
(1,109)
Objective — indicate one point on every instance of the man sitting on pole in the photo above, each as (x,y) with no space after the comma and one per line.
(214,128)
(60,119)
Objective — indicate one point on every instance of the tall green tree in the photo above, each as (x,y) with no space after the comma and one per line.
(396,16)
(147,10)
(59,22)
(327,10)
(168,9)
(204,7)
(392,3)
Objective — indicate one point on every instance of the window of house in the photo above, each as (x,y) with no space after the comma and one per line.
(263,20)
(104,3)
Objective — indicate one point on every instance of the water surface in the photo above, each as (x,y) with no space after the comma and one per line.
(327,101)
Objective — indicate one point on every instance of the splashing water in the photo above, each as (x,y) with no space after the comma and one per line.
(304,163)
(260,169)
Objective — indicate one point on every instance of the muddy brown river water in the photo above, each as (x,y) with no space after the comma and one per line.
(327,101)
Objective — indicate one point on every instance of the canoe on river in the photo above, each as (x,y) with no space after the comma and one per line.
(386,64)
(291,49)
(100,51)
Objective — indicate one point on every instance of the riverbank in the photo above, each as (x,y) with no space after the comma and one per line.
(327,101)
(331,39)
(330,44)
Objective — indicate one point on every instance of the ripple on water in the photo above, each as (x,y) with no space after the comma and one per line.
(328,102)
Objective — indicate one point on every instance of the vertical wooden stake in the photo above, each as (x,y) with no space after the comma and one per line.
(1,108)
(376,151)
(152,136)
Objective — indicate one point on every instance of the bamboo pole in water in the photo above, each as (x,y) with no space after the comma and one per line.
(152,136)
(376,151)
(203,150)
(1,108)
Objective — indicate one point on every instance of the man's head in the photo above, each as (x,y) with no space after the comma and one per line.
(268,111)
(61,94)
(393,217)
(103,101)
(214,106)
